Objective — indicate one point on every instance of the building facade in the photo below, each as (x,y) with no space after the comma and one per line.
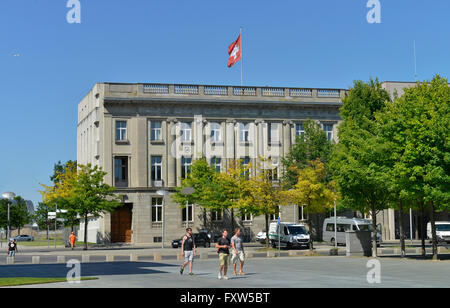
(146,136)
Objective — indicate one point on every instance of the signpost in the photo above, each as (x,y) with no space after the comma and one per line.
(279,236)
(52,215)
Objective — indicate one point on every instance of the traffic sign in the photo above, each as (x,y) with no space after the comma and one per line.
(279,220)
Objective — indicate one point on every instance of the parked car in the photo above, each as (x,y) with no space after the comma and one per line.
(22,238)
(261,237)
(201,239)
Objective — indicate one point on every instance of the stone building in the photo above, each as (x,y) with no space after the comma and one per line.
(146,136)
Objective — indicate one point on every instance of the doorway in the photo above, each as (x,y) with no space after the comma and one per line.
(121,222)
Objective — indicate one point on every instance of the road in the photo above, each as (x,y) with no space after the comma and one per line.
(289,272)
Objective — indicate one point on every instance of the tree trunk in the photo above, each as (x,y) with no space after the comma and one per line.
(204,218)
(311,241)
(267,231)
(422,228)
(433,231)
(85,232)
(401,229)
(232,220)
(374,237)
(18,230)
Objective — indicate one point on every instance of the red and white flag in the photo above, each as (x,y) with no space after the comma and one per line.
(235,52)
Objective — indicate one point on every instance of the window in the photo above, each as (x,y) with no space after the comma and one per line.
(328,128)
(246,163)
(244,132)
(343,227)
(121,130)
(156,134)
(215,132)
(156,168)
(185,132)
(330,228)
(272,131)
(216,215)
(246,216)
(189,212)
(186,163)
(275,216)
(216,162)
(157,209)
(299,131)
(272,170)
(121,171)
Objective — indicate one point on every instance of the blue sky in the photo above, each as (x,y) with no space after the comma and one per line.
(298,43)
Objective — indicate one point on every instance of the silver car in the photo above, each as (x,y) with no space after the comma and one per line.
(22,238)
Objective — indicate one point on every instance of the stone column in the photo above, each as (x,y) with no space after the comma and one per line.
(230,143)
(171,152)
(287,136)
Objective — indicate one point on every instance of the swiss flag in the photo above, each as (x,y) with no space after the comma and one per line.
(235,51)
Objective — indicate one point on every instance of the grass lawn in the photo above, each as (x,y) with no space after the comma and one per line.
(20,281)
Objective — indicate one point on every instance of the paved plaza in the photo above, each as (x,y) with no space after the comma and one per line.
(289,272)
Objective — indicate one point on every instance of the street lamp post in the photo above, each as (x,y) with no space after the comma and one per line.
(162,193)
(10,196)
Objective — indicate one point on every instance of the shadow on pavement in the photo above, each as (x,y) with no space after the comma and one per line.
(87,269)
(444,257)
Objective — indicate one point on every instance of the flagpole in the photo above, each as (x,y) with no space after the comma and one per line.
(242,59)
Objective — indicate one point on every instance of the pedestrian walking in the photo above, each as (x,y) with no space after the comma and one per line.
(237,252)
(188,250)
(223,246)
(72,239)
(12,248)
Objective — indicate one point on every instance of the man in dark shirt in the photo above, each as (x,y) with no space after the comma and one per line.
(188,250)
(223,245)
(12,247)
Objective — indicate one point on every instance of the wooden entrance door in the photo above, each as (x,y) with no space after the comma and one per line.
(121,220)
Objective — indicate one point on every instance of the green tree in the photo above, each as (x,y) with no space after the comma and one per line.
(416,128)
(58,196)
(225,190)
(359,162)
(92,195)
(18,213)
(311,145)
(200,177)
(259,194)
(313,191)
(41,216)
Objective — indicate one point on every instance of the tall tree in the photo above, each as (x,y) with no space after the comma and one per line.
(311,145)
(416,127)
(313,191)
(260,195)
(225,190)
(59,195)
(93,196)
(200,177)
(359,161)
(18,213)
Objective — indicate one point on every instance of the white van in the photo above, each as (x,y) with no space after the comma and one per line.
(291,235)
(442,231)
(345,224)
